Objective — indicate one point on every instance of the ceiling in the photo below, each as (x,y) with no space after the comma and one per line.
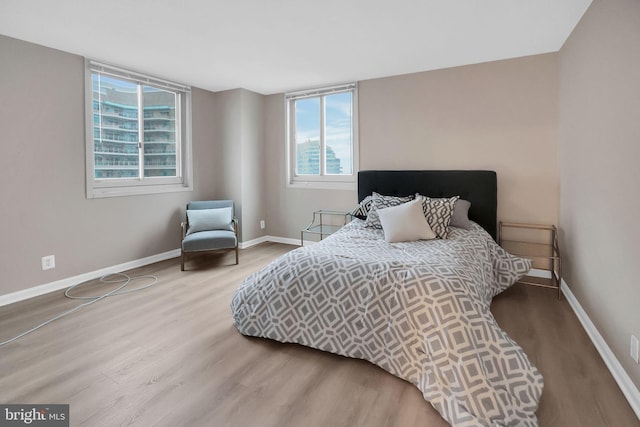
(281,45)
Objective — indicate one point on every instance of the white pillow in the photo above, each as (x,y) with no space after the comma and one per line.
(379,201)
(405,223)
(209,219)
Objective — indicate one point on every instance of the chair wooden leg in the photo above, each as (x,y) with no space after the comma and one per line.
(182,261)
(236,255)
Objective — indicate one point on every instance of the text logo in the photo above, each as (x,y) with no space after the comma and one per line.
(54,415)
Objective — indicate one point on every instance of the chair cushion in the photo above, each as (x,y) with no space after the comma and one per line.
(209,241)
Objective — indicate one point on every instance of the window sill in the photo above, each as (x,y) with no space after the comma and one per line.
(322,185)
(103,192)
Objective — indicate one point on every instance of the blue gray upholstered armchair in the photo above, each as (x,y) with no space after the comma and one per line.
(210,226)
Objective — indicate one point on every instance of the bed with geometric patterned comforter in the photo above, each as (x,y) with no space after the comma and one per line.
(420,310)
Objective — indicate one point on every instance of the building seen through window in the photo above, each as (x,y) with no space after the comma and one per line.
(322,144)
(120,144)
(308,159)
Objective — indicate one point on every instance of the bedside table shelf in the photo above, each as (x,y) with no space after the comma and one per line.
(544,255)
(324,223)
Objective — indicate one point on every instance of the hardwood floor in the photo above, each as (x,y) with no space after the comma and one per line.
(170,356)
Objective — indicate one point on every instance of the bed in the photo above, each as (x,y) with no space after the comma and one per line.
(419,310)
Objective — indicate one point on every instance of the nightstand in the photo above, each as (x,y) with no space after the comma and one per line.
(539,243)
(324,223)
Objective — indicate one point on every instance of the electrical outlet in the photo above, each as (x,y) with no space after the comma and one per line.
(262,224)
(634,348)
(48,262)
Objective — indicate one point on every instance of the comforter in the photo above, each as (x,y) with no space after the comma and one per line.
(419,310)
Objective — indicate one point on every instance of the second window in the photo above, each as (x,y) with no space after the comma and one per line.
(322,135)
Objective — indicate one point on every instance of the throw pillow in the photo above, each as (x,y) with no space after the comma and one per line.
(438,212)
(209,219)
(405,223)
(460,216)
(362,210)
(380,202)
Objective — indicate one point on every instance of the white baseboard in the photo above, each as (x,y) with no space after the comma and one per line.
(545,274)
(621,377)
(249,243)
(285,240)
(274,239)
(70,281)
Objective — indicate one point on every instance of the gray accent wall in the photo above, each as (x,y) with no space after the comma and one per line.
(44,210)
(599,145)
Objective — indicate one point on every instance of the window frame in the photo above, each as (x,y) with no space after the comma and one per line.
(113,187)
(323,180)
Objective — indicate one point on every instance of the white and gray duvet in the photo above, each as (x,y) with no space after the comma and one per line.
(419,310)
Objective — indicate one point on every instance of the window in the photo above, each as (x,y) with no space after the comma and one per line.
(322,143)
(138,133)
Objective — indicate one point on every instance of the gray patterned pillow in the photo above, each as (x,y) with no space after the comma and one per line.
(438,213)
(378,201)
(363,208)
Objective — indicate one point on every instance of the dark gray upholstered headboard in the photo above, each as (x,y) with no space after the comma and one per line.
(478,187)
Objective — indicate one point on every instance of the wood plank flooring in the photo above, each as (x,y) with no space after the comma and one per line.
(170,356)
